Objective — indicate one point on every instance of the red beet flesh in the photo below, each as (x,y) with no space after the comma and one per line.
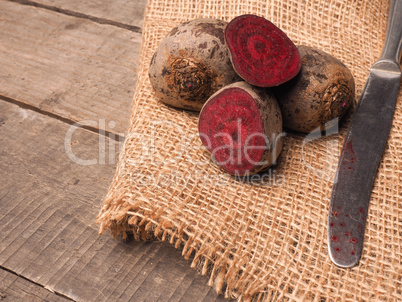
(261,53)
(232,129)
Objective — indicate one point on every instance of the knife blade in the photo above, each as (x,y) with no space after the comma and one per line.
(362,150)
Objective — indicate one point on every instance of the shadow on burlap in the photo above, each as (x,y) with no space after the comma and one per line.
(264,237)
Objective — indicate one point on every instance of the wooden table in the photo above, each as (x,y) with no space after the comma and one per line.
(67,76)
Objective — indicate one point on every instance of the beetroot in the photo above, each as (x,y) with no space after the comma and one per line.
(241,125)
(319,95)
(191,63)
(260,52)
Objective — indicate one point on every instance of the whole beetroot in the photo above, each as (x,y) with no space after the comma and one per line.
(322,92)
(241,125)
(191,63)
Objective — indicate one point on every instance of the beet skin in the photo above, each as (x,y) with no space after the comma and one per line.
(319,95)
(191,63)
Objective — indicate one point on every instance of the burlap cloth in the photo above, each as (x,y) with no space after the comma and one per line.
(262,238)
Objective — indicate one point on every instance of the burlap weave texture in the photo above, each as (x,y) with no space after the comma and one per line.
(264,237)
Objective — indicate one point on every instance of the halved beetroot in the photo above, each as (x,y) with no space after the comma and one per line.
(260,52)
(241,125)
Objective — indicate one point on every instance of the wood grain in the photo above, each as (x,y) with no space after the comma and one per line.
(121,11)
(69,66)
(72,61)
(49,201)
(15,288)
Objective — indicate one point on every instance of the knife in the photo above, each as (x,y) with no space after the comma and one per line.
(362,149)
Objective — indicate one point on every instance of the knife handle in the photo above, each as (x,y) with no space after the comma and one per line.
(393,41)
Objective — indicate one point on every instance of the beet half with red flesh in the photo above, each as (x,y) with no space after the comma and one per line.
(261,53)
(241,125)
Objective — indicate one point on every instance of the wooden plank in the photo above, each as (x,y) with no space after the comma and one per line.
(69,66)
(119,11)
(49,204)
(15,288)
